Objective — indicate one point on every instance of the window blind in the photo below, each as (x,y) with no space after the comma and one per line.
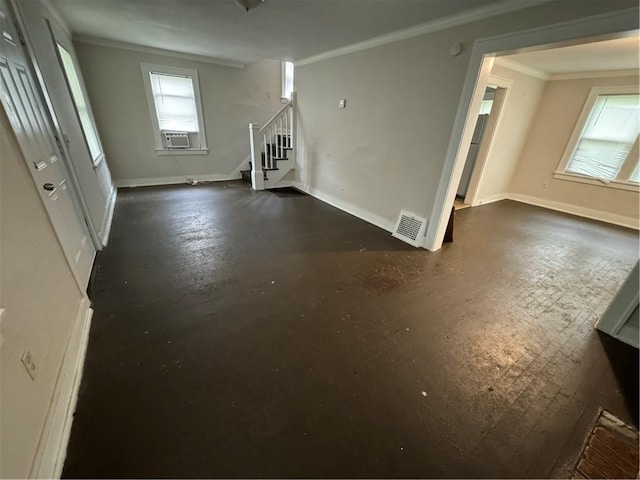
(607,137)
(175,102)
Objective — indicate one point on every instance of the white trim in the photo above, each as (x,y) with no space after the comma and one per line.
(594,74)
(57,16)
(574,177)
(522,68)
(108,217)
(147,69)
(472,15)
(185,151)
(349,208)
(98,161)
(104,42)
(487,144)
(52,447)
(491,199)
(66,45)
(56,130)
(590,213)
(609,25)
(152,181)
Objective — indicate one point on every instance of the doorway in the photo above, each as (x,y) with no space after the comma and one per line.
(480,142)
(602,27)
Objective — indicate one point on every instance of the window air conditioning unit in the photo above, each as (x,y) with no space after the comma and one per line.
(176,139)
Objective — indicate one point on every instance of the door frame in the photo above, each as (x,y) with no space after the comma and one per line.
(54,123)
(619,311)
(606,26)
(54,143)
(486,145)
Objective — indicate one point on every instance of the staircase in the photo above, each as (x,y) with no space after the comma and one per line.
(273,150)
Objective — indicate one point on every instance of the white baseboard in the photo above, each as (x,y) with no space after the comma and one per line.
(490,199)
(148,182)
(354,210)
(52,447)
(108,217)
(590,213)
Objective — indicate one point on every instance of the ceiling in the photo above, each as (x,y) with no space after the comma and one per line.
(278,29)
(618,54)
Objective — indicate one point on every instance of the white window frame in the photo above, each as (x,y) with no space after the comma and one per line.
(147,69)
(622,182)
(99,158)
(283,95)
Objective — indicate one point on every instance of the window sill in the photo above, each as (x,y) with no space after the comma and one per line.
(572,177)
(185,151)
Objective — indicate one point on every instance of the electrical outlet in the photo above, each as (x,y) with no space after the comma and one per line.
(545,184)
(342,103)
(29,363)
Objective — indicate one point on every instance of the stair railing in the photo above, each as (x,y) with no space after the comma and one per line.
(273,138)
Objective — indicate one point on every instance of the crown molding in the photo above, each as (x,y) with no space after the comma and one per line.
(595,74)
(519,67)
(450,21)
(104,42)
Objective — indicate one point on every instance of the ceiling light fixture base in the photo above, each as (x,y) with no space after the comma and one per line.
(249,4)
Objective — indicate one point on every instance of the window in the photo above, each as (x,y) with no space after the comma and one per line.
(175,102)
(86,121)
(601,147)
(487,100)
(287,80)
(485,107)
(176,112)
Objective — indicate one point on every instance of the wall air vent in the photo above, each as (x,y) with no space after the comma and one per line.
(410,228)
(175,139)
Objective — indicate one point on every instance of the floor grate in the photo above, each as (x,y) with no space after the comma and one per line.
(611,450)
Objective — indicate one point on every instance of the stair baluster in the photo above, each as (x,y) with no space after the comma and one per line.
(276,139)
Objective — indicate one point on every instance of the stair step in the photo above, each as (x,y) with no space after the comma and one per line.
(276,146)
(263,167)
(246,175)
(274,158)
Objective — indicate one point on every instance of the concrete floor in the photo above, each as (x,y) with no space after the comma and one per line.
(246,334)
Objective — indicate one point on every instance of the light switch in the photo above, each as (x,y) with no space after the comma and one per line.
(342,103)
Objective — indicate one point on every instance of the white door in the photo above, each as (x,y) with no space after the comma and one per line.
(23,105)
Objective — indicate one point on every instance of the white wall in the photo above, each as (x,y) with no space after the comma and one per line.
(41,299)
(386,150)
(94,183)
(548,137)
(231,99)
(518,110)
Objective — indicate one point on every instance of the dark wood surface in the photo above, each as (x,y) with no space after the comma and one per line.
(246,334)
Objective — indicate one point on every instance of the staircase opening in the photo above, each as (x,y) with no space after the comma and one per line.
(273,153)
